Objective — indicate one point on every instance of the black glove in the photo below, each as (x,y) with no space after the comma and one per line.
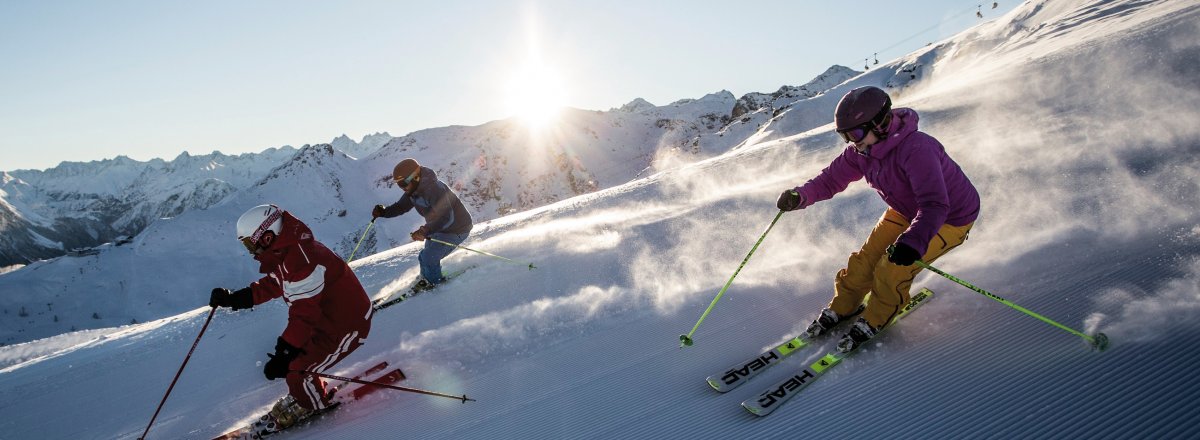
(222,297)
(790,200)
(377,211)
(902,254)
(277,364)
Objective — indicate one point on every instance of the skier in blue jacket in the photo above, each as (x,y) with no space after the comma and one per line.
(446,219)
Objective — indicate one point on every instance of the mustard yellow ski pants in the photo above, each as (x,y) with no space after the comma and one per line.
(870,271)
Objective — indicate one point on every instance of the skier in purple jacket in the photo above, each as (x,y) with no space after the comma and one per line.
(931,208)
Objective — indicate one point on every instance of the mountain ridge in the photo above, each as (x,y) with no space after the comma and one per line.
(498,168)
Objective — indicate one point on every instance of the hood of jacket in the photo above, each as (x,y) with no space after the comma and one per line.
(904,123)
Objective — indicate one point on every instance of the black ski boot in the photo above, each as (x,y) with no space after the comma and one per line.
(827,320)
(860,333)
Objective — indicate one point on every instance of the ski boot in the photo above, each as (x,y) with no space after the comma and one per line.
(284,414)
(827,320)
(421,285)
(287,412)
(861,332)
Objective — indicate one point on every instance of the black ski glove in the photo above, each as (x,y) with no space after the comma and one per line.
(219,298)
(790,200)
(277,364)
(902,254)
(377,212)
(222,297)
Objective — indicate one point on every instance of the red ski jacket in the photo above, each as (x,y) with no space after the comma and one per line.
(322,293)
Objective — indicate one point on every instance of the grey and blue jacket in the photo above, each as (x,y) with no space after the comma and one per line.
(434,200)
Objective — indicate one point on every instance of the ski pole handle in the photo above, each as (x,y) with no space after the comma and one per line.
(463,397)
(1099,342)
(185,361)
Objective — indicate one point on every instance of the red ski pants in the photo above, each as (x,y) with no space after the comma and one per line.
(321,353)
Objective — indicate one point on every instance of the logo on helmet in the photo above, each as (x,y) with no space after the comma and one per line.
(272,217)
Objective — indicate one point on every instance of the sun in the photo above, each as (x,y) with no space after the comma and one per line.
(536,95)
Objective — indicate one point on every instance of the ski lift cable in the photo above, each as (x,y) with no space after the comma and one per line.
(923,31)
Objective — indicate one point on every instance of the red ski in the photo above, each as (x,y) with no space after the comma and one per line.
(390,378)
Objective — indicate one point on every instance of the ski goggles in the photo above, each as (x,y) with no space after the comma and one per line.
(251,245)
(405,181)
(856,134)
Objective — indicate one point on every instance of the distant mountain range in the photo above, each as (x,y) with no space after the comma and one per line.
(78,205)
(144,234)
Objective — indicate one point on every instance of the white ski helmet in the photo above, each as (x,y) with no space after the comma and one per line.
(258,220)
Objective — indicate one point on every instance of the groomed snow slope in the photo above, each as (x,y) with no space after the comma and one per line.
(1076,120)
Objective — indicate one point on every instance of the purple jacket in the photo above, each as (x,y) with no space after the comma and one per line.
(913,174)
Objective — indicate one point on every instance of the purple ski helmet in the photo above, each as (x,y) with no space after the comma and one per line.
(862,109)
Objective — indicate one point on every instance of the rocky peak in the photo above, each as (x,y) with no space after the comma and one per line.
(638,105)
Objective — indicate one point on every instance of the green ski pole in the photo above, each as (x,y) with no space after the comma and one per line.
(687,339)
(1099,342)
(531,266)
(360,240)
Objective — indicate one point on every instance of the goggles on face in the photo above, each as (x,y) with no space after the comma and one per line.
(856,134)
(250,245)
(405,181)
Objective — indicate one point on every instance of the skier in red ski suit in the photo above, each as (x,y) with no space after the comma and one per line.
(329,313)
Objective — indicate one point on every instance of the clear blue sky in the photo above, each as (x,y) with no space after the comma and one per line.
(90,80)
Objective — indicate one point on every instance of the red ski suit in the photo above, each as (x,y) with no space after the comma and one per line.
(329,314)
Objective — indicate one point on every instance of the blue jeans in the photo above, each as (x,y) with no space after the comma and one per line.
(431,257)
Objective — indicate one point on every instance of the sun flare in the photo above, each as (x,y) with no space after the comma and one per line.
(536,94)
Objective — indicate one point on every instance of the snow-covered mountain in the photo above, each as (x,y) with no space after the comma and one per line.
(172,210)
(368,145)
(1073,118)
(76,205)
(80,205)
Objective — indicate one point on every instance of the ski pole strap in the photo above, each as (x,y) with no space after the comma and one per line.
(531,266)
(185,361)
(360,240)
(1098,342)
(687,339)
(463,397)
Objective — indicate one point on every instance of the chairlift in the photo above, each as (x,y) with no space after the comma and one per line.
(995,5)
(979,11)
(866,64)
(876,57)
